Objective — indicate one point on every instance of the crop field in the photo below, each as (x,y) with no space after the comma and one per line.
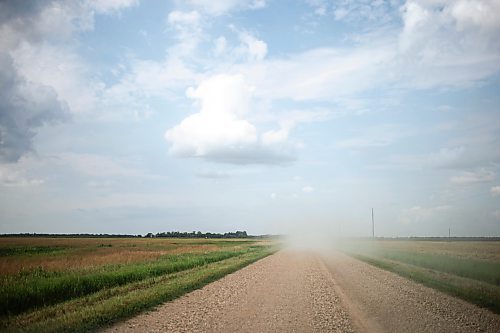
(78,284)
(467,269)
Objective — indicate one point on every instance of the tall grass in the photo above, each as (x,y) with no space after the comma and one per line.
(483,294)
(38,288)
(106,306)
(480,270)
(440,265)
(29,250)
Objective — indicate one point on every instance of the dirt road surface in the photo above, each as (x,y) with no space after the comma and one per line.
(301,292)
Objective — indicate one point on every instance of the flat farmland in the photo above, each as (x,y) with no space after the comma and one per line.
(466,269)
(184,285)
(77,284)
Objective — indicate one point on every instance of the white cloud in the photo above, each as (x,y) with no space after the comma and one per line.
(495,191)
(110,6)
(220,7)
(101,166)
(450,42)
(220,46)
(279,135)
(148,78)
(16,174)
(254,48)
(47,78)
(61,69)
(473,177)
(496,214)
(220,131)
(178,18)
(308,189)
(319,74)
(436,48)
(367,11)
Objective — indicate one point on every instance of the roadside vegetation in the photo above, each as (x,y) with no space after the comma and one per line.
(76,285)
(466,269)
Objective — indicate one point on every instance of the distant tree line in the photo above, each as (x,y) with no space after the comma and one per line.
(71,235)
(169,234)
(198,234)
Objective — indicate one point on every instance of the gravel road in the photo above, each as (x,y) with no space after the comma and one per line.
(286,292)
(302,292)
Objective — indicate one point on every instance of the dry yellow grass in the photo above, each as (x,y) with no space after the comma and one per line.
(78,253)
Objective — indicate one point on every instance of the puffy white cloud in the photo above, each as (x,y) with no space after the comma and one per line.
(220,131)
(473,177)
(24,107)
(42,77)
(62,70)
(449,42)
(254,48)
(495,191)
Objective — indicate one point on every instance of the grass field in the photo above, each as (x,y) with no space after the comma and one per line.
(74,285)
(466,269)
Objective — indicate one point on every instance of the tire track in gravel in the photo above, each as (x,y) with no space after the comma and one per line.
(286,292)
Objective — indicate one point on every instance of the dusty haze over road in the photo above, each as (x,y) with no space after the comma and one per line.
(298,291)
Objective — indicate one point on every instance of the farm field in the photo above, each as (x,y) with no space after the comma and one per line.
(466,269)
(77,284)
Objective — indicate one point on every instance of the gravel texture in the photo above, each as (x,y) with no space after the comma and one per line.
(302,292)
(381,301)
(286,292)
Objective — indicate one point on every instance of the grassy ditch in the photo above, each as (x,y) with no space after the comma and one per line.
(469,277)
(25,291)
(73,301)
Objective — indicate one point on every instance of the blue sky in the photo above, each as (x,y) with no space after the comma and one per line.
(128,116)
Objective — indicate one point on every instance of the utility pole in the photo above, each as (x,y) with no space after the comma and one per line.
(373,226)
(449,233)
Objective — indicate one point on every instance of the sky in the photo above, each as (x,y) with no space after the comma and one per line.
(270,116)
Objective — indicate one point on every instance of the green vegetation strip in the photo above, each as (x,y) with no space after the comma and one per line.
(40,288)
(483,294)
(109,305)
(29,250)
(474,269)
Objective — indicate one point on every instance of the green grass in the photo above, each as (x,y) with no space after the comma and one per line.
(29,290)
(111,304)
(483,294)
(470,268)
(440,265)
(29,250)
